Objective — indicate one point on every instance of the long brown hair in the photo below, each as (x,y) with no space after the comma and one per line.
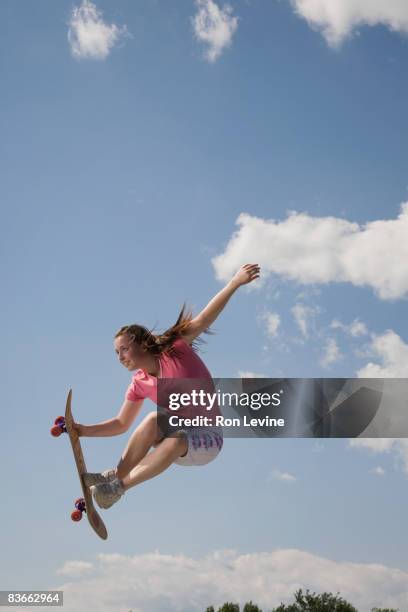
(156,344)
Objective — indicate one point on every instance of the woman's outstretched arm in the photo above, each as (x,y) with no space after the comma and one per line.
(246,274)
(112,427)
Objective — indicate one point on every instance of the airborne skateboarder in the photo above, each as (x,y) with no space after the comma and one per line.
(150,357)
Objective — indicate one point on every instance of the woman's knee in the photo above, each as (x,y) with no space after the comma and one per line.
(153,426)
(150,420)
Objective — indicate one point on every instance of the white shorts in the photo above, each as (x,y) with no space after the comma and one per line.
(204,445)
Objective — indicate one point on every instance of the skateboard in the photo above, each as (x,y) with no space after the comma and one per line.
(64,424)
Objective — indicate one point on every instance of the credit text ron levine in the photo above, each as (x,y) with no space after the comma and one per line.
(220,421)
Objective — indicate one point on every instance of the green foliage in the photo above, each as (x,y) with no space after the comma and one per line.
(231,607)
(304,602)
(310,602)
(251,607)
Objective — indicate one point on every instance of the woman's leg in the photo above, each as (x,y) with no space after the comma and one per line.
(157,461)
(145,436)
(137,464)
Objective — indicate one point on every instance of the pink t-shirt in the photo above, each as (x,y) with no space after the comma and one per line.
(182,365)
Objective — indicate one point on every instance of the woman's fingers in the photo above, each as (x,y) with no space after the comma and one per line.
(251,271)
(251,267)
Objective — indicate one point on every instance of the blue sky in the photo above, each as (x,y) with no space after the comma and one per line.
(148,149)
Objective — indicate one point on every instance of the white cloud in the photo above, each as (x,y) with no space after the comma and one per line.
(392,352)
(331,353)
(285,476)
(355,329)
(75,568)
(302,315)
(273,321)
(398,446)
(247,374)
(89,36)
(321,250)
(176,583)
(377,445)
(378,471)
(214,26)
(393,355)
(337,19)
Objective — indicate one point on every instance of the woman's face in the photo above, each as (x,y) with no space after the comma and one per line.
(130,355)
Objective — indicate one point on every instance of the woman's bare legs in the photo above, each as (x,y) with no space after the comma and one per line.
(137,464)
(156,461)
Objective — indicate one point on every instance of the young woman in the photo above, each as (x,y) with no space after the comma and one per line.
(169,355)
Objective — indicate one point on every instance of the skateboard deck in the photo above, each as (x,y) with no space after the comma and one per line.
(86,504)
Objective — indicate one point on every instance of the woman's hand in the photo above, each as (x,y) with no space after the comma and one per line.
(246,274)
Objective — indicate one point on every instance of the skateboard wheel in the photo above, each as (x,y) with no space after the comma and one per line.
(58,427)
(76,515)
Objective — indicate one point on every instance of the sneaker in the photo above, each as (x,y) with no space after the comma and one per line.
(96,479)
(107,494)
